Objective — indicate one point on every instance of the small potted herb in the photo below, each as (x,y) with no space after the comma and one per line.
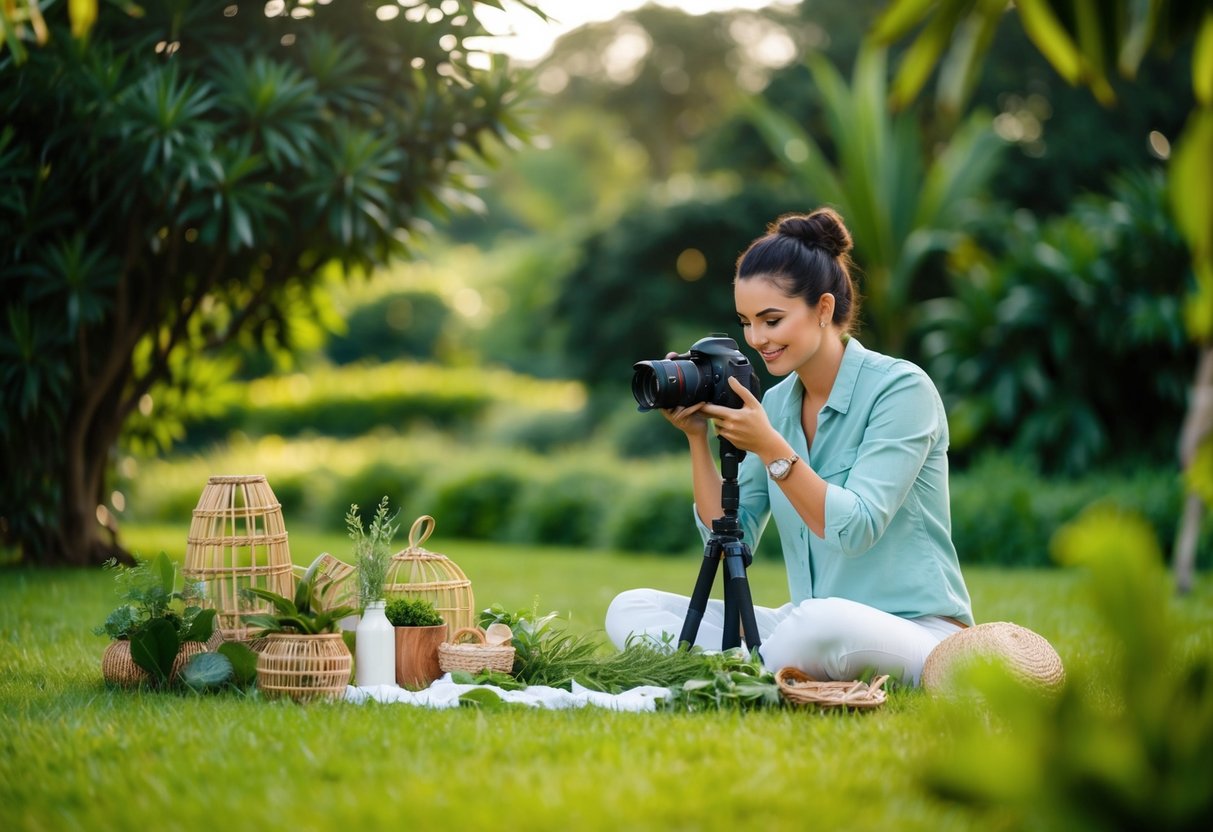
(419,631)
(156,629)
(304,656)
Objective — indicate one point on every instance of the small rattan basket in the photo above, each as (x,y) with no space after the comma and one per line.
(799,688)
(475,656)
(304,667)
(118,668)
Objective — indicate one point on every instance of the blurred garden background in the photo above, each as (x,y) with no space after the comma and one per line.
(366,255)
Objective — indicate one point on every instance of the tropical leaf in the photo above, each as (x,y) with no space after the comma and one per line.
(154,647)
(207,671)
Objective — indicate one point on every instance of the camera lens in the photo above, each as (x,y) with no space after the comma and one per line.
(666,383)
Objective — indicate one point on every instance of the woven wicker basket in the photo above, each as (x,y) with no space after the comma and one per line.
(474,657)
(416,572)
(800,689)
(237,539)
(304,667)
(118,668)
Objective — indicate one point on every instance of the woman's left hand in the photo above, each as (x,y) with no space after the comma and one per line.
(748,427)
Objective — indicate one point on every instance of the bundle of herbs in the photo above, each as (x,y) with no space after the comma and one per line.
(546,654)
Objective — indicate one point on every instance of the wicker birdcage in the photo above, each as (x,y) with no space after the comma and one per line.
(237,540)
(416,572)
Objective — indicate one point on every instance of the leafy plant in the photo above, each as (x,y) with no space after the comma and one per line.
(372,550)
(543,653)
(306,613)
(412,612)
(232,665)
(734,680)
(155,617)
(1126,743)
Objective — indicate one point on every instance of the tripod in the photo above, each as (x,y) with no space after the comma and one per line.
(725,543)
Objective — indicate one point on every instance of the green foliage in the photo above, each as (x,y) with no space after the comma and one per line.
(155,617)
(412,612)
(165,206)
(1126,743)
(1043,335)
(232,666)
(307,613)
(900,208)
(734,681)
(544,653)
(372,549)
(148,594)
(655,517)
(478,504)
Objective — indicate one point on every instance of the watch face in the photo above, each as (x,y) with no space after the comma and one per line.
(779,468)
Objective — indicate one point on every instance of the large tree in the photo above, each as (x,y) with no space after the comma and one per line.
(187,175)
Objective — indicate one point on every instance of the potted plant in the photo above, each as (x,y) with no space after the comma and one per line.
(304,656)
(374,640)
(156,629)
(419,631)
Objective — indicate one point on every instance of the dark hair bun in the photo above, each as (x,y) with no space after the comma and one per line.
(822,229)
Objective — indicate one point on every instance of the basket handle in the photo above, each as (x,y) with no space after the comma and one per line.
(424,526)
(476,631)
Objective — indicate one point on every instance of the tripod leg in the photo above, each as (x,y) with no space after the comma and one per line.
(699,598)
(739,598)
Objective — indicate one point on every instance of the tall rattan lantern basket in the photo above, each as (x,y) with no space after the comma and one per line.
(237,539)
(419,573)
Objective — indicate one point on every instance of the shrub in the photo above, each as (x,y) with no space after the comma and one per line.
(655,517)
(412,612)
(477,504)
(564,510)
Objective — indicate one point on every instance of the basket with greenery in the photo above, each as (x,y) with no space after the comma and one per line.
(156,629)
(304,656)
(412,612)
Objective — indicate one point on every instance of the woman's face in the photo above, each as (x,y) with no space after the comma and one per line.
(784,330)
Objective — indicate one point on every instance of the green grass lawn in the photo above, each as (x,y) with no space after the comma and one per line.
(77,755)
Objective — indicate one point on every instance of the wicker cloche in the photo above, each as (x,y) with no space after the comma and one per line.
(417,572)
(237,539)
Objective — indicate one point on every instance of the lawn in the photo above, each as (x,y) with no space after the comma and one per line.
(77,755)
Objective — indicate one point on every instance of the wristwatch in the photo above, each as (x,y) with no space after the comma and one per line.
(780,468)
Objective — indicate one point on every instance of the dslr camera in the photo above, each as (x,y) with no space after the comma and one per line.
(700,375)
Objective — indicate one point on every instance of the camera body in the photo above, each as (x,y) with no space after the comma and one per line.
(700,375)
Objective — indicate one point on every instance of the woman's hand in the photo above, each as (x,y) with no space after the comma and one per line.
(747,427)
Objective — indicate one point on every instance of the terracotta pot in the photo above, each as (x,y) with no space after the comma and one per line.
(417,655)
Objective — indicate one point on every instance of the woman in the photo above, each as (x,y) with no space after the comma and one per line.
(849,453)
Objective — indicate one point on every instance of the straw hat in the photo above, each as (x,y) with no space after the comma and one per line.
(1028,655)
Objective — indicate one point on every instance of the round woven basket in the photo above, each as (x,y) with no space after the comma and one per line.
(118,668)
(799,688)
(476,656)
(304,667)
(1028,655)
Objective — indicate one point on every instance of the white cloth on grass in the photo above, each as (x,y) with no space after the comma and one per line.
(445,693)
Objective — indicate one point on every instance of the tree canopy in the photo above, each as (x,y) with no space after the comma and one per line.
(185,177)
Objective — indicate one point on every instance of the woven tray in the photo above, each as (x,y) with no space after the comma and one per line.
(475,656)
(800,689)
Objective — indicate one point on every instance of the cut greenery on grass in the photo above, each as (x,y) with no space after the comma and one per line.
(77,755)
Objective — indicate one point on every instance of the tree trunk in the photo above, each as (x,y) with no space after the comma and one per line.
(1197,428)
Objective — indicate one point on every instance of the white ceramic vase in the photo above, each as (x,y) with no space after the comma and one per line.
(375,648)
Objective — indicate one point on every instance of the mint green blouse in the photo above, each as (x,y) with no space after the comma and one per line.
(881,446)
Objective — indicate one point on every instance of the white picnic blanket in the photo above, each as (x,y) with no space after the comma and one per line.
(445,694)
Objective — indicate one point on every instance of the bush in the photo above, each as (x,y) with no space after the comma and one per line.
(655,517)
(565,510)
(478,504)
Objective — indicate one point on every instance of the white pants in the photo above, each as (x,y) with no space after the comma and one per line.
(827,638)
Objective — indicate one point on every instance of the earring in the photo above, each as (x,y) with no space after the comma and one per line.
(822,324)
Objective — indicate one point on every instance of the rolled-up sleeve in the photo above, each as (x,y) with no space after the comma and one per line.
(905,423)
